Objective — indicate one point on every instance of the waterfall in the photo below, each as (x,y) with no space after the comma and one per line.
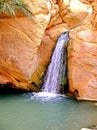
(56,69)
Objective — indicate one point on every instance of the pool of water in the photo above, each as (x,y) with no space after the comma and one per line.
(33,112)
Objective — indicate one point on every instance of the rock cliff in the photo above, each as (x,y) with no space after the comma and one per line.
(26,44)
(82,56)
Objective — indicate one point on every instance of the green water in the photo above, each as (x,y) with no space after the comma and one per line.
(20,112)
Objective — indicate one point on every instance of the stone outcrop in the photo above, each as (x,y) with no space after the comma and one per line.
(20,38)
(82,57)
(26,44)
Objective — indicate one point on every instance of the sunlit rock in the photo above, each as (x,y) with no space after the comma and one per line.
(82,59)
(27,43)
(73,12)
(20,39)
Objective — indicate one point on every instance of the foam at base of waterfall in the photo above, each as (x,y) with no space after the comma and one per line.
(45,96)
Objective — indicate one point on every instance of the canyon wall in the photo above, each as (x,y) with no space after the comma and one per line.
(82,56)
(26,45)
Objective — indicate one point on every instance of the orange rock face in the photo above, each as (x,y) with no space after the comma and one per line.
(82,58)
(19,41)
(26,44)
(82,64)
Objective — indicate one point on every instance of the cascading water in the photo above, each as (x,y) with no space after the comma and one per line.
(56,70)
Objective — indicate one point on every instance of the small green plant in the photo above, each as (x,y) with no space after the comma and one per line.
(12,6)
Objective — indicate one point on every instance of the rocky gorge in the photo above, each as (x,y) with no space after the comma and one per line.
(26,45)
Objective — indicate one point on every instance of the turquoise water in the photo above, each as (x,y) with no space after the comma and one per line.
(28,112)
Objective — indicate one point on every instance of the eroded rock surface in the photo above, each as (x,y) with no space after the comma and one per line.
(20,39)
(26,44)
(82,58)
